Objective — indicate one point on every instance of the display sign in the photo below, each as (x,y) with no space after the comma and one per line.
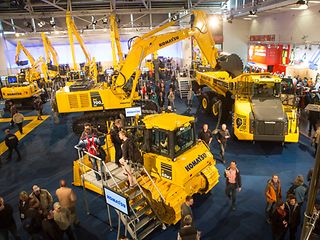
(116,200)
(12,79)
(96,100)
(133,111)
(263,38)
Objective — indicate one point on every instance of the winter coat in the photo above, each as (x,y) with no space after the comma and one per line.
(270,192)
(238,177)
(293,215)
(45,201)
(277,222)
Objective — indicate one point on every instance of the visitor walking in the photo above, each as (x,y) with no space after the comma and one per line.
(293,216)
(12,143)
(18,119)
(186,209)
(7,222)
(233,182)
(205,135)
(43,197)
(222,138)
(273,195)
(279,222)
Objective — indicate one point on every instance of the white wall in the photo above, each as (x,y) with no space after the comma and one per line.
(236,37)
(290,26)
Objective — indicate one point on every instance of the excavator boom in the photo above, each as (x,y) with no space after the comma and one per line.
(20,48)
(152,41)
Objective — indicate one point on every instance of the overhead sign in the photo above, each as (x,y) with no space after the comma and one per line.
(133,111)
(116,200)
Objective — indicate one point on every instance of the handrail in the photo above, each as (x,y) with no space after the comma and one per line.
(153,183)
(108,170)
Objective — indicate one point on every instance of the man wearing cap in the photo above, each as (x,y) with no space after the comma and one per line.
(43,197)
(62,217)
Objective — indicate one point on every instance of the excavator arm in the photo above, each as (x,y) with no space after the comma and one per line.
(49,50)
(152,42)
(72,30)
(20,48)
(115,43)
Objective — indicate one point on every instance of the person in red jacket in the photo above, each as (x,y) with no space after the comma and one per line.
(273,195)
(279,222)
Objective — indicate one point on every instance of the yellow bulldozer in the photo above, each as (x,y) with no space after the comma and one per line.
(175,165)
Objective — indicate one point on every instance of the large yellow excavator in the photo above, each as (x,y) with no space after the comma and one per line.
(21,89)
(50,67)
(101,101)
(90,67)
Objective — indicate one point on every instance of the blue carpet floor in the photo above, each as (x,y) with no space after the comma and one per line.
(48,152)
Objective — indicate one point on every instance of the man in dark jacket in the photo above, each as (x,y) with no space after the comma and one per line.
(186,209)
(12,142)
(50,228)
(205,134)
(187,231)
(293,215)
(222,137)
(116,140)
(233,182)
(7,223)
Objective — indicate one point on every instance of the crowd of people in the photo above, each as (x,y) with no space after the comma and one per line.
(41,217)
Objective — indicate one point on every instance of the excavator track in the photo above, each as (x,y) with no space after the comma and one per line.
(98,119)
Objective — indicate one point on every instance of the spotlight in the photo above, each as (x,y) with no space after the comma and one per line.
(253,12)
(41,23)
(52,22)
(105,20)
(93,21)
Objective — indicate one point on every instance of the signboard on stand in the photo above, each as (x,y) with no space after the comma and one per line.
(116,200)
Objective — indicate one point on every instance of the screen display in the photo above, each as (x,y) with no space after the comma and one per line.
(109,71)
(132,112)
(116,200)
(12,79)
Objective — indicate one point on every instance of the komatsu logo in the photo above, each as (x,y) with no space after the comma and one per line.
(169,41)
(195,162)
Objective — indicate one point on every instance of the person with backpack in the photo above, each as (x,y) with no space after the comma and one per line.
(298,189)
(90,142)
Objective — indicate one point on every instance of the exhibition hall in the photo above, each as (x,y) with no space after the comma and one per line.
(159,119)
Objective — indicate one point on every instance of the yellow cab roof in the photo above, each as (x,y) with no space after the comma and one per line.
(166,121)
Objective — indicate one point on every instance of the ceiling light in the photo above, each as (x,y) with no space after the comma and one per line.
(253,16)
(214,22)
(247,18)
(300,5)
(17,34)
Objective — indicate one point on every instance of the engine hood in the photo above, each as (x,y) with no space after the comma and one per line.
(268,109)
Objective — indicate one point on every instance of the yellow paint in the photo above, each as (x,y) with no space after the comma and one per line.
(26,129)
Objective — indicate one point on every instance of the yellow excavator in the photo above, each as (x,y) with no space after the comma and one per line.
(21,89)
(103,101)
(90,71)
(50,67)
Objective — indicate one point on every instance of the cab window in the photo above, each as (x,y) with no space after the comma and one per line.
(160,142)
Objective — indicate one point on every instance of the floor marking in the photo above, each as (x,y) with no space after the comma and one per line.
(26,129)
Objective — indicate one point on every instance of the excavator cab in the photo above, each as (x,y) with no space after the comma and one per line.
(22,63)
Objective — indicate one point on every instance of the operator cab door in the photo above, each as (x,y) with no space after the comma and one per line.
(161,142)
